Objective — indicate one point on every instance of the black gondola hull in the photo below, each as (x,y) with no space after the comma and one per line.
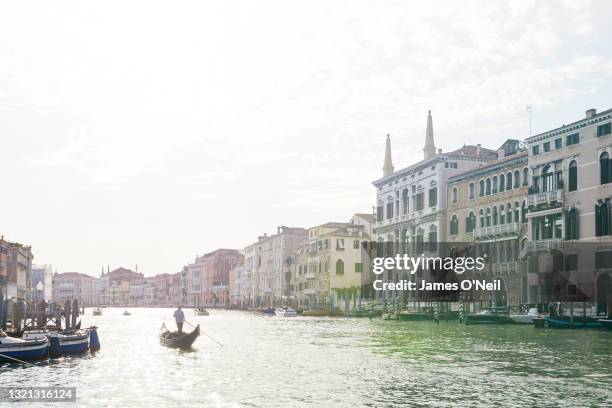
(173,340)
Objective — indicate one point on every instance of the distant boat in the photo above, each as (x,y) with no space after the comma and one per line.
(525,318)
(200,311)
(415,316)
(14,348)
(97,312)
(126,313)
(285,312)
(316,312)
(175,340)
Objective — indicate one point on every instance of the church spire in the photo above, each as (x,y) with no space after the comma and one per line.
(430,148)
(388,166)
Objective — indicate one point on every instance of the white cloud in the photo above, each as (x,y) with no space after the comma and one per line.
(208,116)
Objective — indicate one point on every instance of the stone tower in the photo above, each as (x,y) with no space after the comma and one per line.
(430,148)
(388,166)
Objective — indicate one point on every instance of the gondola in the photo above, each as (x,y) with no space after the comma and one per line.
(174,340)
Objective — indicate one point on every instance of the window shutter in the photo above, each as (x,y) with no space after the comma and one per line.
(597,221)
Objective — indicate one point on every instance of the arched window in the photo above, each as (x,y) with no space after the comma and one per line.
(525,176)
(517,179)
(547,179)
(502,183)
(433,238)
(509,181)
(471,191)
(454,225)
(571,223)
(605,169)
(380,211)
(516,211)
(481,217)
(524,212)
(482,189)
(509,213)
(488,186)
(406,201)
(602,218)
(494,184)
(494,215)
(454,194)
(389,207)
(573,176)
(488,217)
(470,222)
(339,267)
(502,215)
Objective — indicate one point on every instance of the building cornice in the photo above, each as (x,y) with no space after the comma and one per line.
(572,127)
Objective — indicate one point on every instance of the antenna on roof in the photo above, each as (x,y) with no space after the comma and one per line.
(528,107)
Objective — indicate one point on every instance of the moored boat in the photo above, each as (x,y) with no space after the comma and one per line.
(415,316)
(489,315)
(578,322)
(525,318)
(126,313)
(175,340)
(97,312)
(285,312)
(68,343)
(605,323)
(13,348)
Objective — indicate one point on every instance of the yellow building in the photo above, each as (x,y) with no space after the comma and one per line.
(487,206)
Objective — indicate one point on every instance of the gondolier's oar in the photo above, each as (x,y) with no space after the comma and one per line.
(17,360)
(205,334)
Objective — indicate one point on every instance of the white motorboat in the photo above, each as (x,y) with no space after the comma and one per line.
(525,318)
(285,312)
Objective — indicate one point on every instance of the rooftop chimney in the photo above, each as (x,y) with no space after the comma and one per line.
(590,113)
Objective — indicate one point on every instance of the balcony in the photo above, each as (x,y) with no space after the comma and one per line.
(505,267)
(496,230)
(542,245)
(549,197)
(310,291)
(310,275)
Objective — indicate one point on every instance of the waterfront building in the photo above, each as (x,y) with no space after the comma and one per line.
(42,281)
(411,202)
(239,288)
(327,271)
(16,269)
(69,286)
(569,204)
(207,279)
(267,265)
(487,206)
(124,287)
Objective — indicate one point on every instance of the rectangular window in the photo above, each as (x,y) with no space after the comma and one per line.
(558,143)
(355,244)
(603,130)
(379,213)
(340,244)
(535,150)
(471,193)
(433,197)
(572,139)
(419,201)
(389,210)
(358,267)
(603,260)
(546,147)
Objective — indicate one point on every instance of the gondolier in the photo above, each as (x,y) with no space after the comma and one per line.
(179,317)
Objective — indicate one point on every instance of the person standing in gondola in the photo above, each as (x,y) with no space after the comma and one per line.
(179,317)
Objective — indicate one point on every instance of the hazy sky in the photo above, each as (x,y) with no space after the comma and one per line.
(146,133)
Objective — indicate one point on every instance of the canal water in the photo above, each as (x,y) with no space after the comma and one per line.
(307,361)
